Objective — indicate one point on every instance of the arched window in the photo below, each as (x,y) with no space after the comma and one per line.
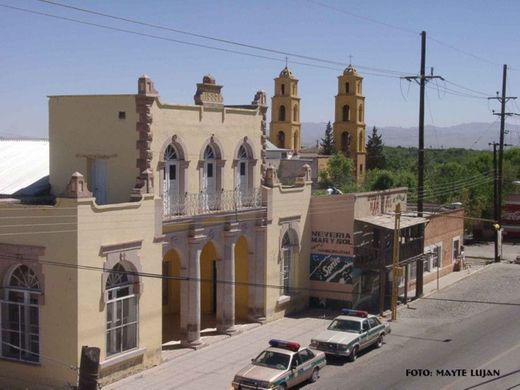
(281,139)
(122,311)
(345,141)
(287,251)
(20,316)
(346,113)
(243,175)
(281,116)
(295,113)
(347,88)
(209,153)
(172,183)
(282,89)
(209,195)
(360,113)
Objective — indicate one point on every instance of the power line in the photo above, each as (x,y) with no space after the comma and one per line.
(372,20)
(221,40)
(405,30)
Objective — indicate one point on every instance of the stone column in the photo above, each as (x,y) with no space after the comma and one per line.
(193,291)
(226,298)
(258,276)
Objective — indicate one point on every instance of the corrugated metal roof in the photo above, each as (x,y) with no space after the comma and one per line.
(388,221)
(24,166)
(273,148)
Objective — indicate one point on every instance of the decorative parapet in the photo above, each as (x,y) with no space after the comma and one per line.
(208,93)
(304,177)
(77,187)
(271,177)
(144,101)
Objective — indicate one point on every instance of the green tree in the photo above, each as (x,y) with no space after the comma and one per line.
(338,173)
(327,143)
(375,153)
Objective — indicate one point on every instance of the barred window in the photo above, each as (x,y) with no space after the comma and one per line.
(122,311)
(20,316)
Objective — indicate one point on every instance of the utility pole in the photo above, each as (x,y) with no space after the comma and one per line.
(496,204)
(422,79)
(495,196)
(503,100)
(396,270)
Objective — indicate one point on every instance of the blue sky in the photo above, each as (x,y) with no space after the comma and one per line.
(44,56)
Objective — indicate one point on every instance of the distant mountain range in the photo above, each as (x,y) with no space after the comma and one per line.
(466,135)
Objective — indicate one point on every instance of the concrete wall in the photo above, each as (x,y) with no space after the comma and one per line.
(54,230)
(287,208)
(379,202)
(88,127)
(443,228)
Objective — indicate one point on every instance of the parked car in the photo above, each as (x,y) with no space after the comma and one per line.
(283,365)
(350,333)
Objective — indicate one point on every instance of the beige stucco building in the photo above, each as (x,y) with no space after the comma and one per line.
(167,221)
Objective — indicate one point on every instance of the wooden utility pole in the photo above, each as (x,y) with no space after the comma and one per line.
(396,270)
(495,196)
(422,79)
(503,99)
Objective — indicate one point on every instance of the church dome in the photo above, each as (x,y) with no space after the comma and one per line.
(208,79)
(349,70)
(286,73)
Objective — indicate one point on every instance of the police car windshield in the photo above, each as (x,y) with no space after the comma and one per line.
(345,326)
(271,359)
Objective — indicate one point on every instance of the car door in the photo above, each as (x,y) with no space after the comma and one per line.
(363,337)
(305,372)
(295,368)
(373,333)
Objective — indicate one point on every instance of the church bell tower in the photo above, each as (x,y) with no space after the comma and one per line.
(285,130)
(349,123)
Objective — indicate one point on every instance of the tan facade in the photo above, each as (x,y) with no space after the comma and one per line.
(285,130)
(176,220)
(333,277)
(444,235)
(349,121)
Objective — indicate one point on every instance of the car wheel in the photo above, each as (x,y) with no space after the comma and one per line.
(283,386)
(379,342)
(353,355)
(315,374)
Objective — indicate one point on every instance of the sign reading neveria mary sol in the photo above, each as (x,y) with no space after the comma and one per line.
(331,257)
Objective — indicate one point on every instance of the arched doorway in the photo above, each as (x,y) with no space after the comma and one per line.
(208,285)
(171,296)
(241,280)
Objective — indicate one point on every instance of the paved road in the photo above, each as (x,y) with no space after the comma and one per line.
(472,325)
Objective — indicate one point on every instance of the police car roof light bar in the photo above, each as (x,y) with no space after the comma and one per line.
(291,345)
(355,313)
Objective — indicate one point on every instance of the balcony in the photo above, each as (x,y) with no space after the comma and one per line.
(189,205)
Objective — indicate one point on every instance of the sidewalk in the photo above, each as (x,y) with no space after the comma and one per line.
(214,365)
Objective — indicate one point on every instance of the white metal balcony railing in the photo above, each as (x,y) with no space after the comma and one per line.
(204,203)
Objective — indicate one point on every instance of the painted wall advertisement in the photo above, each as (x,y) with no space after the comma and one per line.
(331,257)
